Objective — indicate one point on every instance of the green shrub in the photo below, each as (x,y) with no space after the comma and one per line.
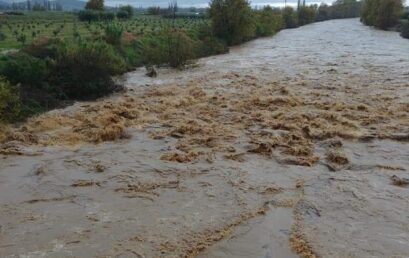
(43,48)
(132,56)
(9,101)
(171,47)
(180,47)
(209,44)
(152,50)
(23,68)
(84,71)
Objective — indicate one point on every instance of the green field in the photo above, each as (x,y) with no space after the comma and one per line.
(19,30)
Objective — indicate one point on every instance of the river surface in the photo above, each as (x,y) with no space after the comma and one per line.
(290,146)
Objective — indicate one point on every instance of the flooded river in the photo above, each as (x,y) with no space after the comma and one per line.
(290,146)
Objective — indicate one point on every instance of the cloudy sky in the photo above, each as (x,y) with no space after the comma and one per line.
(202,3)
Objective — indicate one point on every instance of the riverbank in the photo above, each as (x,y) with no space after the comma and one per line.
(312,122)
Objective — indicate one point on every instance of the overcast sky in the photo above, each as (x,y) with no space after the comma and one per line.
(202,3)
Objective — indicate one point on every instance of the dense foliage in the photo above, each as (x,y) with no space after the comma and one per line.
(232,20)
(404,30)
(290,18)
(382,14)
(340,9)
(95,5)
(268,21)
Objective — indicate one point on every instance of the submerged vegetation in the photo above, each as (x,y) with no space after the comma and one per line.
(67,57)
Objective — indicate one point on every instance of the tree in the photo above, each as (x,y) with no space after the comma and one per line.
(323,12)
(306,15)
(128,9)
(125,12)
(172,9)
(290,17)
(232,20)
(269,21)
(97,5)
(153,10)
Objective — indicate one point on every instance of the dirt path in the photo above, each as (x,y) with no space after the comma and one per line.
(292,144)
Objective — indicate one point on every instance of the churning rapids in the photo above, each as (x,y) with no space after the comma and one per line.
(291,146)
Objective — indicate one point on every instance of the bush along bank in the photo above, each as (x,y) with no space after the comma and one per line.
(51,72)
(386,15)
(404,24)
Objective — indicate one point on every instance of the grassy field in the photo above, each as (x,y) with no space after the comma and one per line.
(18,30)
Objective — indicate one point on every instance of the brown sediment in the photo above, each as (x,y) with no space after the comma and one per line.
(180,156)
(85,183)
(22,136)
(391,167)
(12,148)
(273,118)
(298,241)
(148,187)
(195,243)
(336,160)
(239,157)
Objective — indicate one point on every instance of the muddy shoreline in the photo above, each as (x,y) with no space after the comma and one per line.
(291,146)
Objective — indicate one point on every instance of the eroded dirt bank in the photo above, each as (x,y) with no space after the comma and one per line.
(289,146)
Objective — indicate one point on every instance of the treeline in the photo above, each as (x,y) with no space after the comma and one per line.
(51,72)
(382,14)
(235,22)
(35,5)
(340,9)
(94,11)
(386,14)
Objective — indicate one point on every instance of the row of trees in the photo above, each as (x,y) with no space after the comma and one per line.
(234,21)
(340,9)
(94,11)
(30,5)
(382,14)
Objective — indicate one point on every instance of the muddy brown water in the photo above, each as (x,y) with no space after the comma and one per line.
(307,174)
